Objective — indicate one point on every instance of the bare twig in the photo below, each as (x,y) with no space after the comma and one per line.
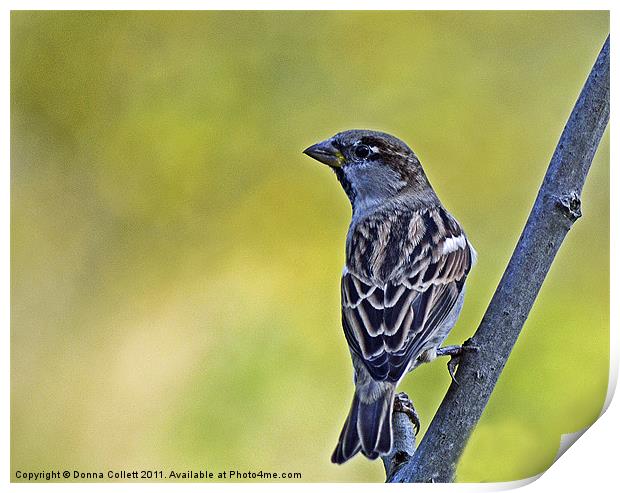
(557,207)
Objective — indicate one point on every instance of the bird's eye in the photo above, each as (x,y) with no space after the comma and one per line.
(361,151)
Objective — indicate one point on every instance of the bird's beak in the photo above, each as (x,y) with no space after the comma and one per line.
(326,153)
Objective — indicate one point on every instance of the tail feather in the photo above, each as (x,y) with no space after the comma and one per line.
(368,428)
(349,441)
(385,435)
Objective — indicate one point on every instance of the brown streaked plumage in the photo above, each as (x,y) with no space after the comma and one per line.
(407,260)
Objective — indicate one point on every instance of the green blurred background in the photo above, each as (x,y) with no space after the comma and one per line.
(176,259)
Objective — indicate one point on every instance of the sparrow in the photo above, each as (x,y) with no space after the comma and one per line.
(403,284)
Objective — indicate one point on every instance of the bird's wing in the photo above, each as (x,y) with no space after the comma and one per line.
(389,322)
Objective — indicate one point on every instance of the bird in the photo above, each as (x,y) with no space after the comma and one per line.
(403,283)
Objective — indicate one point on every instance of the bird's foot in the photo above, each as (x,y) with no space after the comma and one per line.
(455,353)
(402,404)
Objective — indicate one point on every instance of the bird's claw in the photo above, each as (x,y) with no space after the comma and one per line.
(452,364)
(455,353)
(402,404)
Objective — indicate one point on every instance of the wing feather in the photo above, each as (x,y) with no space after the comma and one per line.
(391,317)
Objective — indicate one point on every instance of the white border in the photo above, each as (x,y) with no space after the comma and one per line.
(591,465)
(313,5)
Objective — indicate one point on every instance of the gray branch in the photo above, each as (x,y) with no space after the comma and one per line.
(555,210)
(404,435)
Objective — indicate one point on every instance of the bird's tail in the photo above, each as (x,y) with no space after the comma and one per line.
(368,428)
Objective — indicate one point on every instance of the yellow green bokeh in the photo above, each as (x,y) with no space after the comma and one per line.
(176,259)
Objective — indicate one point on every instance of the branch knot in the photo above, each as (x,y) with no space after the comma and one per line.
(570,205)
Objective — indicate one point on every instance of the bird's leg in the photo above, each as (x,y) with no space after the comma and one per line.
(455,353)
(402,404)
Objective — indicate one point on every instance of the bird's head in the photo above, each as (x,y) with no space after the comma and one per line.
(372,167)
